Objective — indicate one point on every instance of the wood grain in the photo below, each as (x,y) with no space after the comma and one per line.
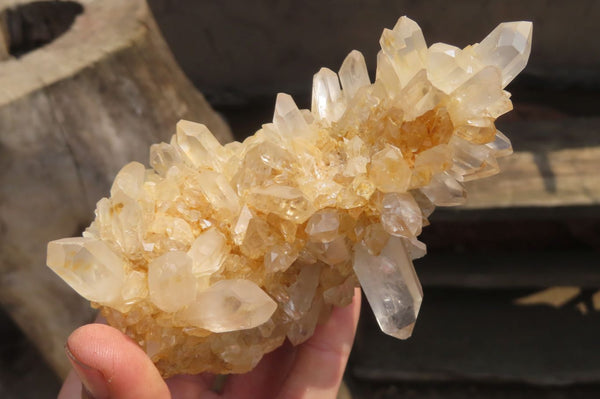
(72,113)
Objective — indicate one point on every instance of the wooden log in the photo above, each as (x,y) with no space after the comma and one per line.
(72,112)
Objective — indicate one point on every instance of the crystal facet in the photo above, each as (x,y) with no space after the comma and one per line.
(217,254)
(230,305)
(171,282)
(507,47)
(353,73)
(89,266)
(326,96)
(406,48)
(391,286)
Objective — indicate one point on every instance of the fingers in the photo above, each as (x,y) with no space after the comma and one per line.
(110,365)
(321,360)
(71,388)
(185,386)
(266,379)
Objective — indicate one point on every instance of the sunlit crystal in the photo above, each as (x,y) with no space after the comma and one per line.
(327,101)
(230,305)
(391,286)
(507,47)
(198,144)
(171,282)
(406,48)
(279,258)
(354,74)
(288,118)
(501,145)
(208,252)
(400,215)
(218,254)
(389,171)
(89,266)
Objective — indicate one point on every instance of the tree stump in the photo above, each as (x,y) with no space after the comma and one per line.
(86,88)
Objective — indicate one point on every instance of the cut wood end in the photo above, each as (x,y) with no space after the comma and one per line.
(104,27)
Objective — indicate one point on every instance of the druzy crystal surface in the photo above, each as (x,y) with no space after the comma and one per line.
(217,254)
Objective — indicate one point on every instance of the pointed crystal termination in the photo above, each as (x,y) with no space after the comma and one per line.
(198,144)
(89,266)
(507,47)
(162,157)
(501,146)
(391,285)
(230,305)
(385,73)
(208,252)
(171,282)
(444,190)
(288,118)
(406,48)
(326,96)
(354,74)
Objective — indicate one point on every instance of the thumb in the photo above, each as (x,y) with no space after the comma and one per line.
(111,365)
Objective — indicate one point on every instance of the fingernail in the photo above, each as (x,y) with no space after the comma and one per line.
(94,384)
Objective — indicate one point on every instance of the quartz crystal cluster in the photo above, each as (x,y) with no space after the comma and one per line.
(216,254)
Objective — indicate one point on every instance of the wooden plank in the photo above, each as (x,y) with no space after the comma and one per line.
(555,164)
(481,336)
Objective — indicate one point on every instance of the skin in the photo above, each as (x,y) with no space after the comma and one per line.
(110,365)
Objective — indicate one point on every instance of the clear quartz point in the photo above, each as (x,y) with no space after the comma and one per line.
(89,266)
(162,157)
(171,282)
(230,305)
(386,74)
(507,47)
(472,161)
(449,67)
(401,215)
(353,73)
(199,145)
(501,145)
(405,47)
(444,190)
(327,101)
(391,286)
(208,252)
(129,181)
(287,118)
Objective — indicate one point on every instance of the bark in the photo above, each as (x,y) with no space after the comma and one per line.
(72,113)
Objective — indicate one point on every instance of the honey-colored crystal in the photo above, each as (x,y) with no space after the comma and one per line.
(217,254)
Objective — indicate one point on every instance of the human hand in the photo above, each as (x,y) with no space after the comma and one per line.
(113,366)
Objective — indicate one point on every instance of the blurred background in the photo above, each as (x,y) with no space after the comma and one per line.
(511,305)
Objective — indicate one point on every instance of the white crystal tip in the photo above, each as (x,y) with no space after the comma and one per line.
(507,47)
(523,28)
